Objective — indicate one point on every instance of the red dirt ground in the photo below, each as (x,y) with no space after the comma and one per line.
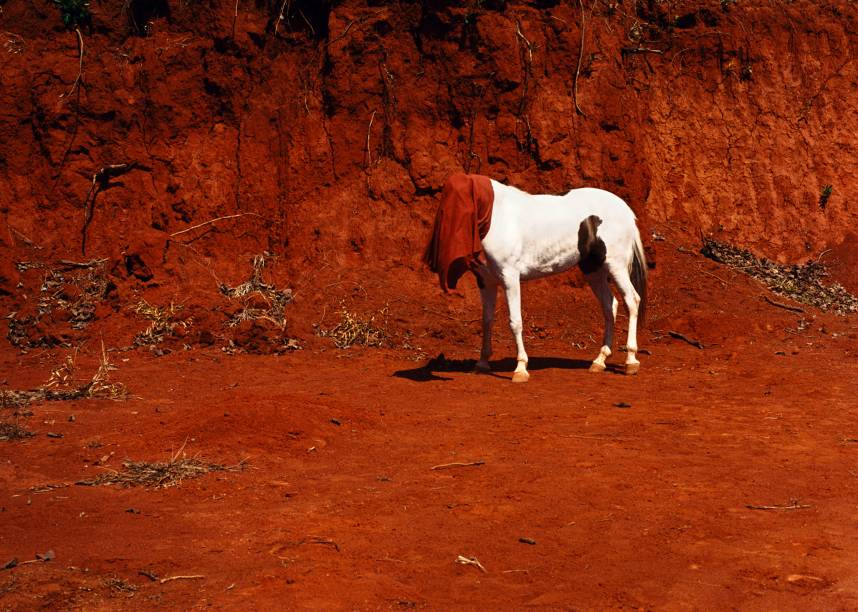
(719,477)
(640,507)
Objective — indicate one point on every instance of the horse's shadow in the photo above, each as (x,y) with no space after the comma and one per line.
(429,371)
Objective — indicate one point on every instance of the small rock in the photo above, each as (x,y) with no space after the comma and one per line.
(622,405)
(51,434)
(336,422)
(72,418)
(524,540)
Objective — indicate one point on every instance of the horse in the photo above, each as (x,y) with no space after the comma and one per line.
(533,236)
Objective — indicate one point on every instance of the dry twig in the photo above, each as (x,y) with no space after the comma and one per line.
(471,561)
(284,10)
(79,77)
(368,133)
(191,577)
(793,505)
(444,466)
(204,223)
(784,306)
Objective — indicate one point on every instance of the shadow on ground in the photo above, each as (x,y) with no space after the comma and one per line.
(429,371)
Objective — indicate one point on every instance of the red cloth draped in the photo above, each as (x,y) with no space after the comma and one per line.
(462,221)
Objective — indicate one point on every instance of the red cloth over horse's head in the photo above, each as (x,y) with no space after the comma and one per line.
(463,220)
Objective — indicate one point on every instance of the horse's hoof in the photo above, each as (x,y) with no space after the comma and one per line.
(597,367)
(520,377)
(632,368)
(482,367)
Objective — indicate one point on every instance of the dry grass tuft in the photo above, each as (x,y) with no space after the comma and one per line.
(62,377)
(160,474)
(73,287)
(802,283)
(118,586)
(354,329)
(13,431)
(18,399)
(100,385)
(61,387)
(275,299)
(163,322)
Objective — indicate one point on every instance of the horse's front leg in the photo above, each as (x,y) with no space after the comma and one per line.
(489,294)
(512,286)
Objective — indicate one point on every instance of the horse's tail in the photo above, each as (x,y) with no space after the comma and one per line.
(637,272)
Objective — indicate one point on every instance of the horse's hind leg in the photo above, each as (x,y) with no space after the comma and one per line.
(512,287)
(599,284)
(620,274)
(489,294)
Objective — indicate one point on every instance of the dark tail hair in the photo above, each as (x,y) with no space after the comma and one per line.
(637,272)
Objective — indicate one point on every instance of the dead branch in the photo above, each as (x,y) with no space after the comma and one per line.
(578,68)
(444,466)
(692,342)
(784,306)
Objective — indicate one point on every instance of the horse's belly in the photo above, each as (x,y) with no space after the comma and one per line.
(540,268)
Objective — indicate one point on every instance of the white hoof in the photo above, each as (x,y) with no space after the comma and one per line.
(597,367)
(520,376)
(632,368)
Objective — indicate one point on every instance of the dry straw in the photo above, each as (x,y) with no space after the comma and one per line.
(802,283)
(276,299)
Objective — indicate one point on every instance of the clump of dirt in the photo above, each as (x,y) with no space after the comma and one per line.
(802,283)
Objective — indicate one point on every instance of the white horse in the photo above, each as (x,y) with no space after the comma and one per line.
(532,236)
